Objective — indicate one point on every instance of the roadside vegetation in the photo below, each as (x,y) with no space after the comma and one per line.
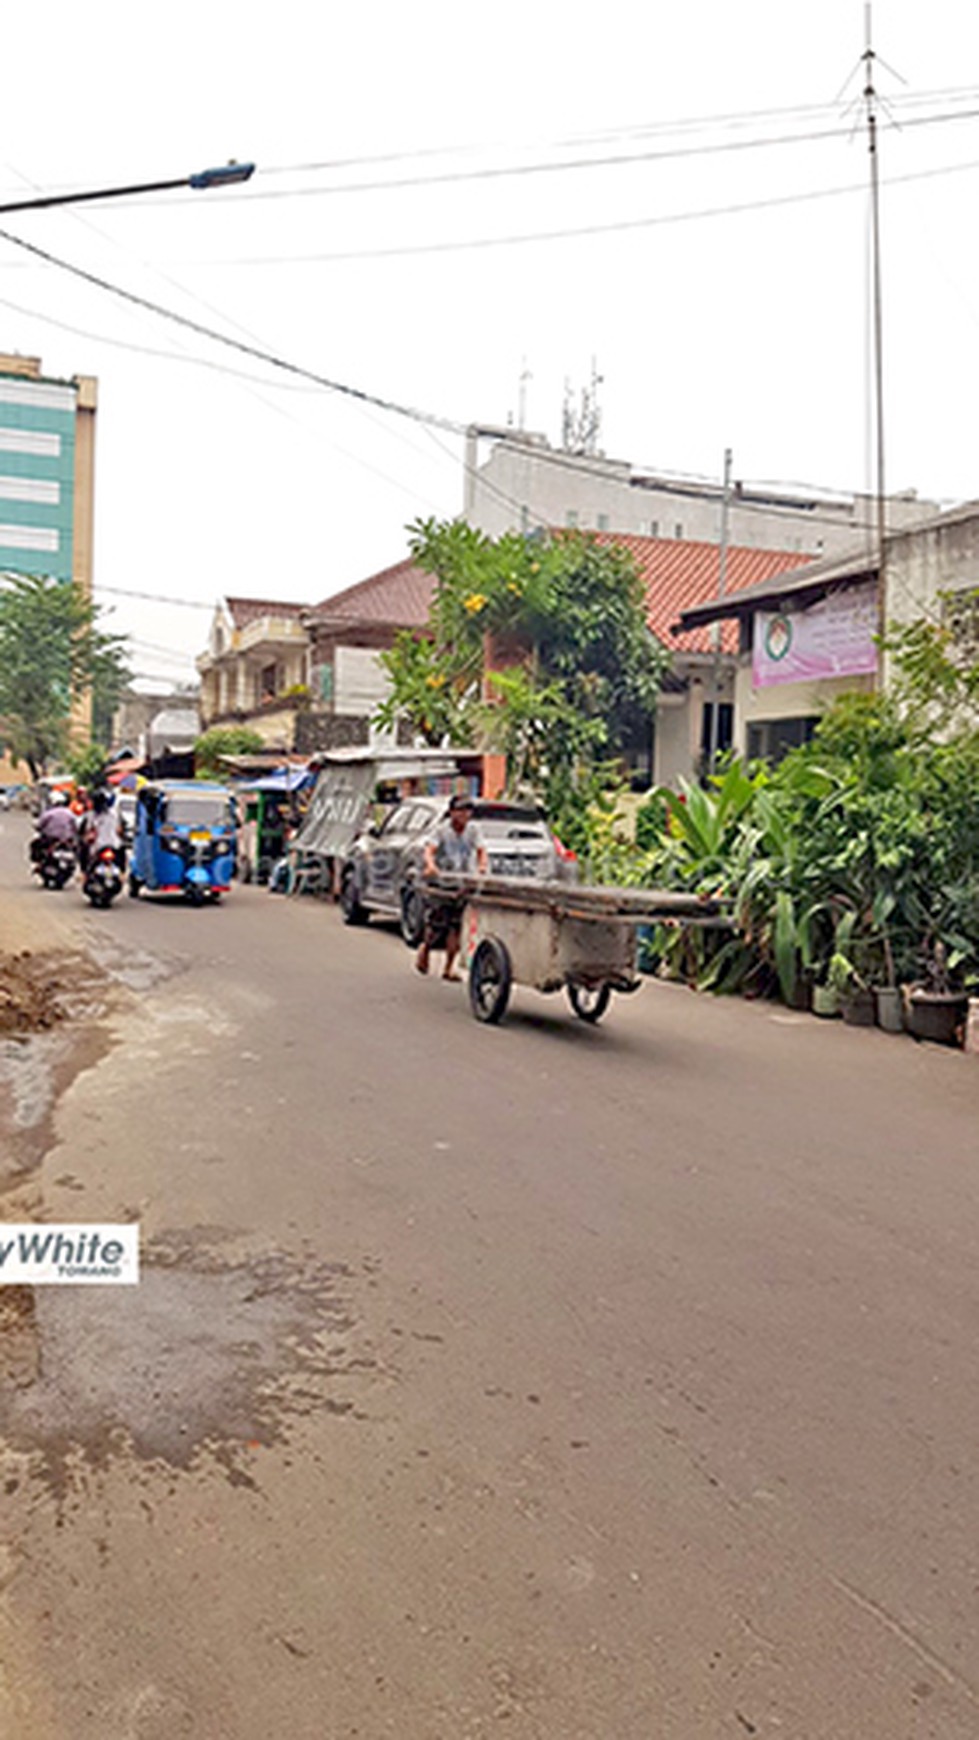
(854,862)
(537,647)
(53,647)
(224,740)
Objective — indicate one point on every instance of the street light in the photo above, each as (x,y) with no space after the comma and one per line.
(226,176)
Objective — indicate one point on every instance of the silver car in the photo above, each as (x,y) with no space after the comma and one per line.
(383,870)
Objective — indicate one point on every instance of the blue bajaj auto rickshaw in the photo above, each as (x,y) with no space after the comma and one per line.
(184,840)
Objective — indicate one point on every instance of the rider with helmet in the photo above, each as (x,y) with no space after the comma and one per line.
(56,825)
(103,828)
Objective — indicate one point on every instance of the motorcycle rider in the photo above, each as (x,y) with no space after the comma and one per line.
(102,828)
(56,825)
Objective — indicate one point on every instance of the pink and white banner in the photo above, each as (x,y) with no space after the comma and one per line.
(833,638)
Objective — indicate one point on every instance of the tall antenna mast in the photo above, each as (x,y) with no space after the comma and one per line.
(870,98)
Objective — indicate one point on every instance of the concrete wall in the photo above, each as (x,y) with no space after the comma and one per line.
(673,757)
(785,700)
(943,558)
(525,483)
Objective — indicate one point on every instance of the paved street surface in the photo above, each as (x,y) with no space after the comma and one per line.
(542,1382)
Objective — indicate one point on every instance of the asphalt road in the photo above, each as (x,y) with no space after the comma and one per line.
(572,1384)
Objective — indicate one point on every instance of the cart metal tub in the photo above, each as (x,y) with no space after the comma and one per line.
(556,936)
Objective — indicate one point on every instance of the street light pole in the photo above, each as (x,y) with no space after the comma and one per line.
(228,175)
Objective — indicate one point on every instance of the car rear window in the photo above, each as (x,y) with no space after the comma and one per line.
(510,824)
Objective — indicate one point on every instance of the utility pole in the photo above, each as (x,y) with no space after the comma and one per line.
(715,711)
(870,98)
(525,376)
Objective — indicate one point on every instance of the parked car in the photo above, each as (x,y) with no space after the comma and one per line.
(383,870)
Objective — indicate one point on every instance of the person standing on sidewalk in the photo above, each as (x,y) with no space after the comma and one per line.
(457,849)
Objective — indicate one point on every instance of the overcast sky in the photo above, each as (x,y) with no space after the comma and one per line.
(746,330)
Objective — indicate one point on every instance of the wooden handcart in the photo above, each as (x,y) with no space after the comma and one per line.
(557,936)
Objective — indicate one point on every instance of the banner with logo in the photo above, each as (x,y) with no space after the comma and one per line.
(834,638)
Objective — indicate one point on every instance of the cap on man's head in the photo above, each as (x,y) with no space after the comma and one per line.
(460,802)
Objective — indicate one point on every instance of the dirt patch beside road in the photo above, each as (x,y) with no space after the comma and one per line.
(29,1001)
(51,1004)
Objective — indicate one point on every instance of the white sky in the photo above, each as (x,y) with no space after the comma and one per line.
(747,330)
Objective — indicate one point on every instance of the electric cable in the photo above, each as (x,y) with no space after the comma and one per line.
(495,172)
(579,231)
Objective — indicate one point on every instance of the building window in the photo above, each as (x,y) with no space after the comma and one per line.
(326,682)
(725,728)
(678,530)
(654,528)
(602,522)
(771,739)
(268,682)
(571,518)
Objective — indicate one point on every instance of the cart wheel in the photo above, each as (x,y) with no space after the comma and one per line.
(489,981)
(589,1002)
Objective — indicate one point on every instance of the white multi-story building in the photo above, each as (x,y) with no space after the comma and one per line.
(524,482)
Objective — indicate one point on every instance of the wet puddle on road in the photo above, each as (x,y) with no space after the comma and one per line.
(201,1363)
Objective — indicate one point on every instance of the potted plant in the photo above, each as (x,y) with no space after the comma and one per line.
(855,995)
(888,1002)
(933,1009)
(825,999)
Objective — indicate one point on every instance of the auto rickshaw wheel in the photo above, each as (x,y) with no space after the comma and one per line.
(490,977)
(589,1002)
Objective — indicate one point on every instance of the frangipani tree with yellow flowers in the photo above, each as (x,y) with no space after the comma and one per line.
(537,645)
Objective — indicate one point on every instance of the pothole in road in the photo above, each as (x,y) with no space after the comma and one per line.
(196,1363)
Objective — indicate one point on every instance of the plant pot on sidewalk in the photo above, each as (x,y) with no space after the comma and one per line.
(825,1001)
(857,1006)
(935,1015)
(890,1009)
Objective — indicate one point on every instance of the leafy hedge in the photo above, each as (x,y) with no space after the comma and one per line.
(857,857)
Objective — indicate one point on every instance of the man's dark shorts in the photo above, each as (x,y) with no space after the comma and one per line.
(442,917)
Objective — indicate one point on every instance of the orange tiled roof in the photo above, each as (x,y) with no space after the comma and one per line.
(680,573)
(400,594)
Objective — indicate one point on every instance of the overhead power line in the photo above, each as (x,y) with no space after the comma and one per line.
(644,129)
(562,166)
(274,361)
(579,231)
(152,597)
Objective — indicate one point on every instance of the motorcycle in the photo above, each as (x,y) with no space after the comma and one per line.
(54,862)
(103,878)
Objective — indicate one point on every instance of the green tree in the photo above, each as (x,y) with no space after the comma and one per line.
(51,648)
(224,740)
(537,645)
